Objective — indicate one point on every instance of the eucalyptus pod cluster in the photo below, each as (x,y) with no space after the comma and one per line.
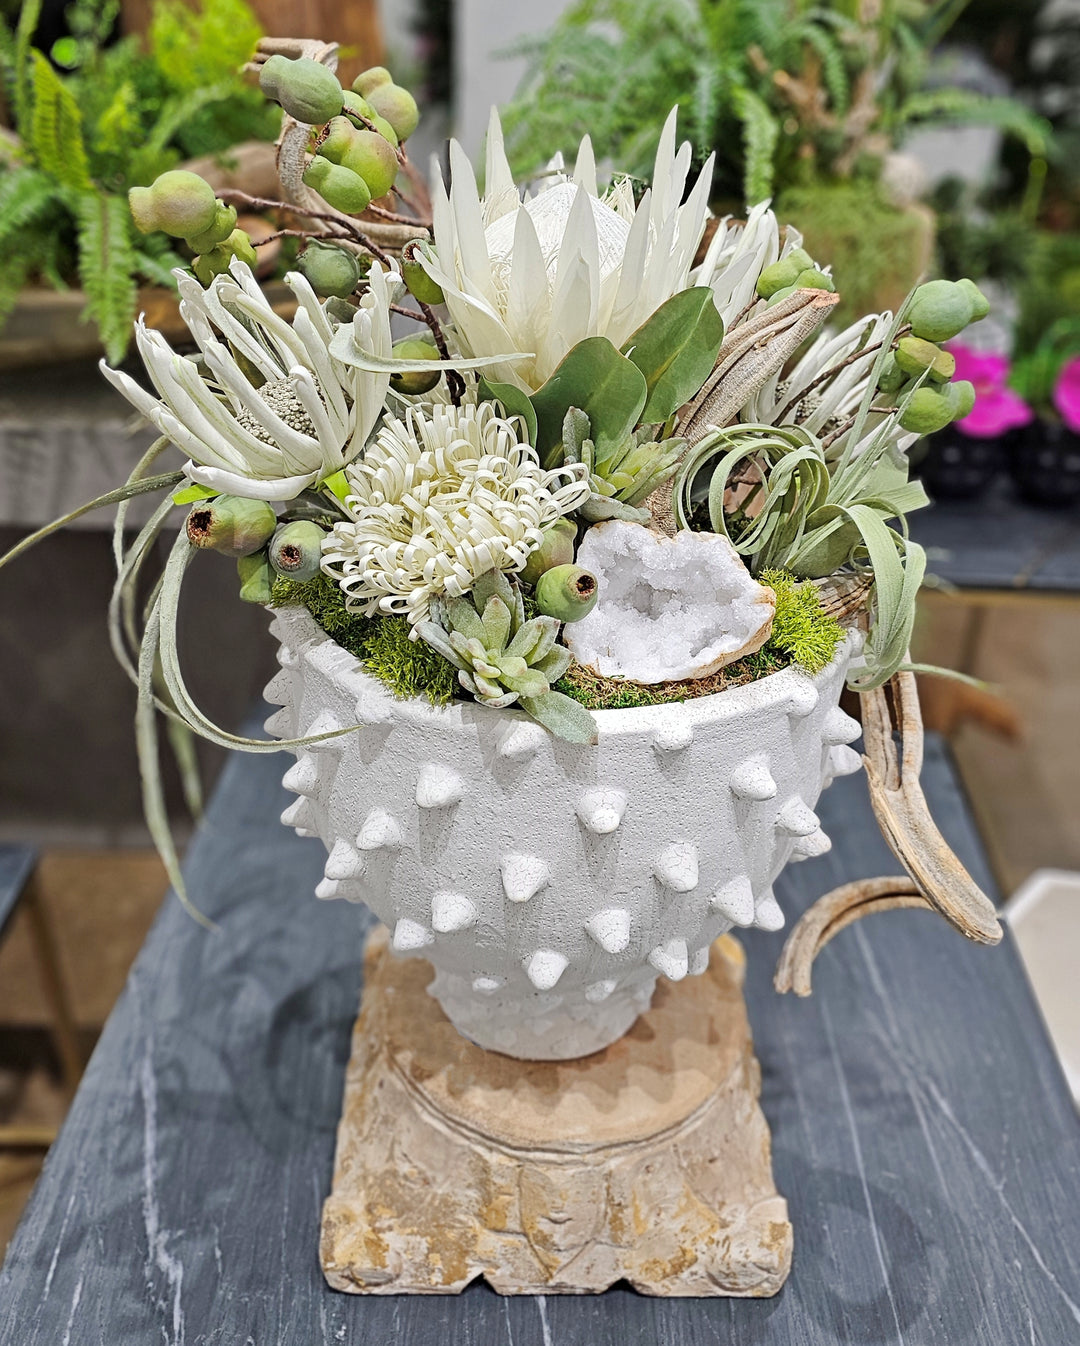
(795,271)
(918,373)
(503,659)
(359,131)
(183,205)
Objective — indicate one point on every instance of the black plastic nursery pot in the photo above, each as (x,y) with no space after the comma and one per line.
(1044,460)
(957,466)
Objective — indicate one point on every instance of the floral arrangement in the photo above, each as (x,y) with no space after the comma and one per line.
(537,446)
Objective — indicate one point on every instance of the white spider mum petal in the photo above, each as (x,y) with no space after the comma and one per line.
(441,496)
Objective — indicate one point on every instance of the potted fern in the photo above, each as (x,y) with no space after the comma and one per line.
(89,120)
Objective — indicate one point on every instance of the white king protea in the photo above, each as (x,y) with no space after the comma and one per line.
(439,498)
(541,275)
(309,416)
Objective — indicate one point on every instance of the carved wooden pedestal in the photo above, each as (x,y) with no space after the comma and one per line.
(646,1162)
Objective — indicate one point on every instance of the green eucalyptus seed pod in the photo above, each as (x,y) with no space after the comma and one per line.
(338,186)
(231,524)
(256,578)
(557,549)
(783,273)
(980,305)
(961,395)
(359,107)
(178,203)
(216,262)
(370,79)
(385,129)
(928,411)
(219,231)
(567,593)
(330,270)
(338,138)
(914,354)
(813,279)
(417,281)
(398,106)
(892,376)
(306,89)
(413,382)
(296,550)
(372,157)
(939,310)
(778,296)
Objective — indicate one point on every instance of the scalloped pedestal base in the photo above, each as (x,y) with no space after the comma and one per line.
(647,1162)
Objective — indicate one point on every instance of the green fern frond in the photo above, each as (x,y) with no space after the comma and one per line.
(12,278)
(833,69)
(29,14)
(761,131)
(175,112)
(107,265)
(963,106)
(158,270)
(118,125)
(56,140)
(25,195)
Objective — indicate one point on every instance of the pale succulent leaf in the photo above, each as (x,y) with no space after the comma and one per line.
(564,718)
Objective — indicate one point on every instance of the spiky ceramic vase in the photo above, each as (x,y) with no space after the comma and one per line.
(551,884)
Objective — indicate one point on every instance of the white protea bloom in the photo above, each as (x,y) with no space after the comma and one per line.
(542,274)
(738,252)
(822,393)
(440,497)
(310,416)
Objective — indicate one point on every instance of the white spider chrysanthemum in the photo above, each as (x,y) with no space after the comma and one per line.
(440,497)
(822,393)
(541,275)
(310,416)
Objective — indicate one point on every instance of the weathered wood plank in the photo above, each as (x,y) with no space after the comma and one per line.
(922,1131)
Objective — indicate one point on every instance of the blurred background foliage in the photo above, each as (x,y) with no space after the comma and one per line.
(89,114)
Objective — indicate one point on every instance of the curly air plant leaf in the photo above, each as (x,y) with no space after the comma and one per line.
(771,493)
(502,659)
(623,477)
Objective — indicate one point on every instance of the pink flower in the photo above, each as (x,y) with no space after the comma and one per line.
(997,407)
(1067,393)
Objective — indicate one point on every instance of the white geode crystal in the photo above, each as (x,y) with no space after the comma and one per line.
(670,607)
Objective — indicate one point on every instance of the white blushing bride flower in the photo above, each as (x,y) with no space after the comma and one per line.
(309,417)
(542,274)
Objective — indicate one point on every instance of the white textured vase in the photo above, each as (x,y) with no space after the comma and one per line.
(550,884)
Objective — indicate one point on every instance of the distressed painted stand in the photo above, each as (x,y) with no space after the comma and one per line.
(646,1162)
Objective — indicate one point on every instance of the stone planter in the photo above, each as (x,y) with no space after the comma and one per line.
(549,884)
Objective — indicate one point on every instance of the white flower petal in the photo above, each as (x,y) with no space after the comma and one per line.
(232,483)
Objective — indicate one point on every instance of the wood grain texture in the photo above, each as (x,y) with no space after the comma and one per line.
(922,1132)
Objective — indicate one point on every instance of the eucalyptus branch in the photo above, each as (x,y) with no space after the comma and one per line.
(454,381)
(394,218)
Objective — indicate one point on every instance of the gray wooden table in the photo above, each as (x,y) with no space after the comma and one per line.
(999,543)
(922,1132)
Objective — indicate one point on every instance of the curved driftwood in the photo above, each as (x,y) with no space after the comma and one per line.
(936,881)
(293,142)
(830,914)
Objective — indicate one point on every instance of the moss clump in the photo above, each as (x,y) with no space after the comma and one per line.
(801,629)
(408,667)
(802,633)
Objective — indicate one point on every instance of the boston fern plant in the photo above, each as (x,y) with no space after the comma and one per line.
(96,120)
(785,92)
